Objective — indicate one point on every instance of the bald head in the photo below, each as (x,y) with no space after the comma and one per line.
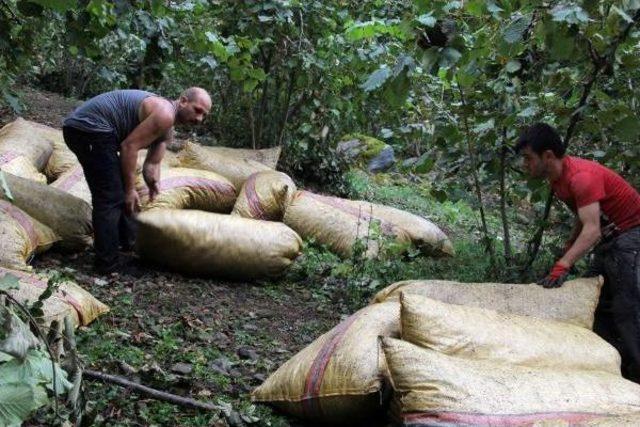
(194,104)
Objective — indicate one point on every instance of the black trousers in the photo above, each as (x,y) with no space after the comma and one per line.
(618,313)
(98,155)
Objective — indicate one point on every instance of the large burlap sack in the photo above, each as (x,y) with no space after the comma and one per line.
(338,378)
(575,302)
(431,388)
(25,148)
(73,182)
(236,170)
(477,333)
(69,300)
(210,244)
(265,196)
(182,188)
(629,420)
(68,216)
(327,221)
(21,237)
(267,156)
(62,159)
(424,234)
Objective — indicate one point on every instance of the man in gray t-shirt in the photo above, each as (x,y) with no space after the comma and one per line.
(106,133)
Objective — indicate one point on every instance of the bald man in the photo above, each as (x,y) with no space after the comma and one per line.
(105,133)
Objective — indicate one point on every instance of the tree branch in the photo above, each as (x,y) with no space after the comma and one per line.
(151,392)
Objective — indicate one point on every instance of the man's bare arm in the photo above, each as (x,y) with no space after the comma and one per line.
(154,126)
(589,234)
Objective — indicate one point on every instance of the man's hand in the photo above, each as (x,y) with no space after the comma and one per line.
(151,175)
(556,276)
(131,202)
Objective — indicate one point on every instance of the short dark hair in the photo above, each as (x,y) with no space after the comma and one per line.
(541,137)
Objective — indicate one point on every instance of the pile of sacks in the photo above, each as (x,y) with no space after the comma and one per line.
(36,217)
(221,211)
(441,353)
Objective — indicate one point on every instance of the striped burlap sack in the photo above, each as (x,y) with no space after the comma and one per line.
(265,196)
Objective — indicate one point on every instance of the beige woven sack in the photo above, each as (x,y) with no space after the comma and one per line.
(575,302)
(477,333)
(424,234)
(21,237)
(210,244)
(62,159)
(434,389)
(338,378)
(73,182)
(68,216)
(267,156)
(25,148)
(265,196)
(69,300)
(328,221)
(237,171)
(182,188)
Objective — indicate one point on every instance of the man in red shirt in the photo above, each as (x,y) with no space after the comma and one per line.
(608,218)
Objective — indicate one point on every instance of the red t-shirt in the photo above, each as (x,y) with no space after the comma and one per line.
(584,182)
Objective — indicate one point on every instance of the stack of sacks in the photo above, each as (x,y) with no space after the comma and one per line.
(458,365)
(265,195)
(69,217)
(267,156)
(182,188)
(25,148)
(21,237)
(340,223)
(68,300)
(234,169)
(340,378)
(205,243)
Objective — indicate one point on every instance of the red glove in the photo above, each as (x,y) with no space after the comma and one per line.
(556,276)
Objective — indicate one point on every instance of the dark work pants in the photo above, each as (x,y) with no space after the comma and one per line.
(618,313)
(98,155)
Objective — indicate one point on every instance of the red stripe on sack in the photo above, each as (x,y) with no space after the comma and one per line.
(195,183)
(507,420)
(310,404)
(69,181)
(252,198)
(8,156)
(335,202)
(23,220)
(41,284)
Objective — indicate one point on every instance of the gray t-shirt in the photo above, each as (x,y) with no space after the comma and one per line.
(111,112)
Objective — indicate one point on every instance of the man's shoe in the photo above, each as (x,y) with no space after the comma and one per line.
(122,265)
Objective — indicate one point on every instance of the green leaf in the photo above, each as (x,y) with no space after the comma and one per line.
(18,401)
(569,13)
(427,20)
(628,129)
(19,338)
(622,14)
(515,29)
(35,369)
(513,66)
(376,79)
(8,281)
(528,112)
(425,163)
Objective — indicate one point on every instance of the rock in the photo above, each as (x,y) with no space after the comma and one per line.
(127,369)
(182,368)
(250,327)
(350,149)
(100,282)
(235,373)
(221,365)
(221,340)
(234,419)
(259,378)
(247,353)
(382,161)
